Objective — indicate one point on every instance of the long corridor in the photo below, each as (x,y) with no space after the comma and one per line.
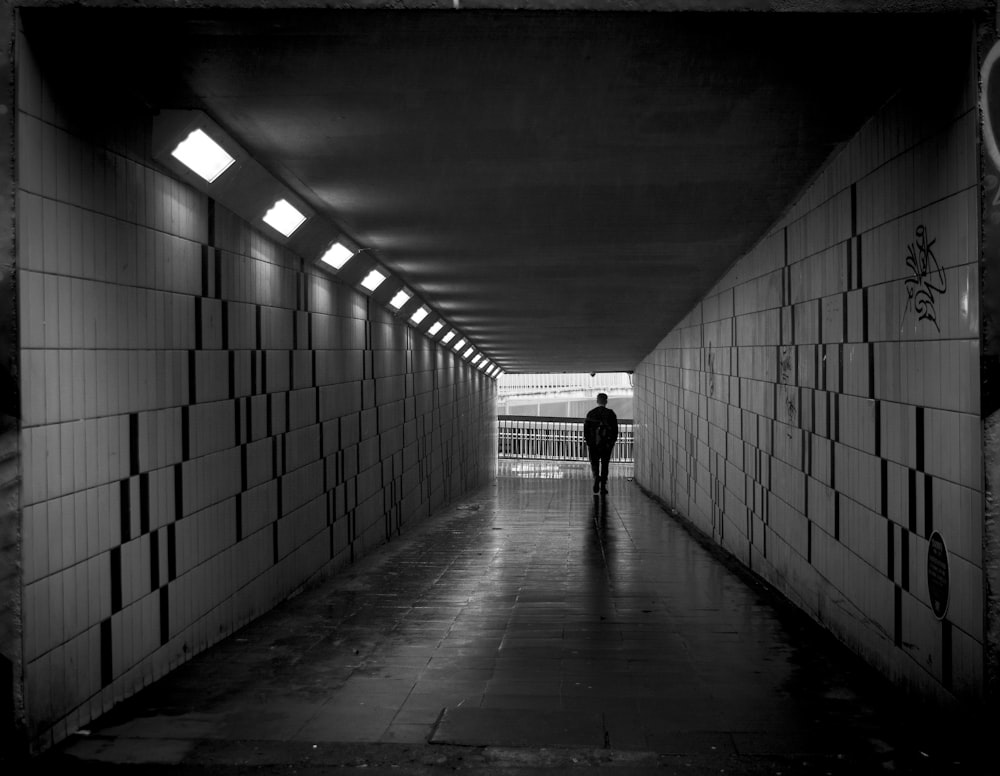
(532,626)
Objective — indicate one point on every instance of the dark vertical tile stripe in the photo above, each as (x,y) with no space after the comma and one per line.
(198,338)
(144,504)
(204,271)
(133,443)
(904,559)
(884,485)
(232,374)
(878,428)
(253,373)
(258,327)
(263,374)
(871,370)
(243,468)
(836,516)
(269,424)
(919,437)
(186,433)
(171,552)
(107,660)
(125,509)
(850,264)
(858,262)
(192,378)
(897,617)
(928,505)
(890,550)
(237,423)
(864,315)
(239,518)
(911,495)
(154,561)
(274,541)
(281,498)
(115,557)
(248,406)
(178,491)
(218,272)
(164,615)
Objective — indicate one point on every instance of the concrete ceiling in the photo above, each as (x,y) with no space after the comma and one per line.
(562,186)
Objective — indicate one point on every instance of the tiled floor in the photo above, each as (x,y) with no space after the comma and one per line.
(532,617)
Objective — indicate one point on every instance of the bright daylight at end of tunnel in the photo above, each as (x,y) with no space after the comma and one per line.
(501,387)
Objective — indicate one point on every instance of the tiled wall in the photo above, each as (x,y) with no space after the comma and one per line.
(817,414)
(208,421)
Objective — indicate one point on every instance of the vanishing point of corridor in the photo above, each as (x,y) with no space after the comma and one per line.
(529,626)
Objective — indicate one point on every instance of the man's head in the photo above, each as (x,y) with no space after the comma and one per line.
(602,399)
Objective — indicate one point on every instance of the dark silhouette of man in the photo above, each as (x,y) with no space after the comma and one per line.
(600,432)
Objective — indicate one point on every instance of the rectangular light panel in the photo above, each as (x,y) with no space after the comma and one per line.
(458,345)
(468,353)
(337,255)
(419,314)
(477,358)
(399,299)
(202,155)
(284,217)
(448,337)
(373,280)
(433,330)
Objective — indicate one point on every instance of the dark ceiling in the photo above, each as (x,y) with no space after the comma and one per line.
(562,186)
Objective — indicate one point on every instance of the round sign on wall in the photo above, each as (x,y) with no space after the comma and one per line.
(937,575)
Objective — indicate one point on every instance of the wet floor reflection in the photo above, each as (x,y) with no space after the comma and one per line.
(533,594)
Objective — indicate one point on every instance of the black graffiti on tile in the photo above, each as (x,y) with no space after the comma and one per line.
(711,370)
(928,278)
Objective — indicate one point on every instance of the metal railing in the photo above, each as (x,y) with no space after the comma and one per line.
(555,439)
(519,385)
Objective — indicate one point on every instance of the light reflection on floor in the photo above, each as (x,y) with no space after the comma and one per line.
(558,470)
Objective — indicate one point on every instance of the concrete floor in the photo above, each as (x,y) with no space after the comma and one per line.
(531,627)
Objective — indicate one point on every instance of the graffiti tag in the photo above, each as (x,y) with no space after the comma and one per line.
(927,280)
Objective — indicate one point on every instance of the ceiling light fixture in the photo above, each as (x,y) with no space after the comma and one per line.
(433,330)
(373,280)
(448,337)
(469,352)
(477,359)
(284,217)
(202,155)
(459,345)
(399,299)
(419,314)
(337,255)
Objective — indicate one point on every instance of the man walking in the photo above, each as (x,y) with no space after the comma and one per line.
(600,432)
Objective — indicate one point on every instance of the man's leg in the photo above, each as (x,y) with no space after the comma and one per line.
(595,467)
(605,460)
